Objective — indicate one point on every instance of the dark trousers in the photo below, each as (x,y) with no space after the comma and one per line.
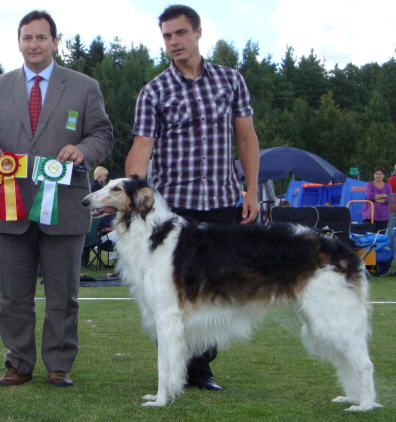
(59,259)
(198,369)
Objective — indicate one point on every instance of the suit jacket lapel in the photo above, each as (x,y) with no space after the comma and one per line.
(55,90)
(18,91)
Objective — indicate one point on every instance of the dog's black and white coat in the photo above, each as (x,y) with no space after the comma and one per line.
(199,286)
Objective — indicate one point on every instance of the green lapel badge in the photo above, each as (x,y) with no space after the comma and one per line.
(71,122)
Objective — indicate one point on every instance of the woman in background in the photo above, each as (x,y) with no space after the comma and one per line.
(99,178)
(380,193)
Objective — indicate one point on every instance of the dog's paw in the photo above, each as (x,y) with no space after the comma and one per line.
(345,399)
(149,397)
(341,399)
(357,408)
(156,403)
(362,407)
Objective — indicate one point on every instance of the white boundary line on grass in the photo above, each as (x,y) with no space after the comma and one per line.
(96,298)
(133,298)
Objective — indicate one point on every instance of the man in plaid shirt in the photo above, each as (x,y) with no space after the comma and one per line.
(185,119)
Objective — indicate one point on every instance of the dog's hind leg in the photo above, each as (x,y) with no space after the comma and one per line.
(352,363)
(355,372)
(172,360)
(336,329)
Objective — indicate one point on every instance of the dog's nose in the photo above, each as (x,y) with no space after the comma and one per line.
(85,202)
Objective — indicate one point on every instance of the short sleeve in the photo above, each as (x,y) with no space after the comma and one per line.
(146,115)
(241,105)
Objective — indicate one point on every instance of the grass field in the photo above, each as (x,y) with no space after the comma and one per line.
(270,378)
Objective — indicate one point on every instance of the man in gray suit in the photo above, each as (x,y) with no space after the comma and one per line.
(72,126)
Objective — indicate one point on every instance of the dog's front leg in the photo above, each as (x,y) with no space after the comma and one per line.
(172,359)
(161,398)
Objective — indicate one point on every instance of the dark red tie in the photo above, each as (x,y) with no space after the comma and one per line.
(35,104)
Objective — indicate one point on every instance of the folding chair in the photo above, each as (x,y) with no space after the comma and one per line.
(337,220)
(362,228)
(373,247)
(107,240)
(306,216)
(94,247)
(264,216)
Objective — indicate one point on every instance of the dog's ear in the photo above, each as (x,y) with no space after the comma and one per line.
(143,201)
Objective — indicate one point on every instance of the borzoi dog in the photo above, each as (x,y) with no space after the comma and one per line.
(203,285)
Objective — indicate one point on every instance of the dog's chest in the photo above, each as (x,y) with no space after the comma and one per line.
(137,257)
(132,252)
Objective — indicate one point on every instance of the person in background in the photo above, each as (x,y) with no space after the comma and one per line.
(46,110)
(106,223)
(392,219)
(380,193)
(186,117)
(99,178)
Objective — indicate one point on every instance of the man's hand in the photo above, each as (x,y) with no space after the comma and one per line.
(250,208)
(70,153)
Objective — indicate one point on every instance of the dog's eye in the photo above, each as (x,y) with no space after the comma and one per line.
(116,189)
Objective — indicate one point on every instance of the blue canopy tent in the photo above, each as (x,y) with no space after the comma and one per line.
(278,162)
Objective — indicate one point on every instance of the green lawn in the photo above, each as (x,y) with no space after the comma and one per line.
(270,378)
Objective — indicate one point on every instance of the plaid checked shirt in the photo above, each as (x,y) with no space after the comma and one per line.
(192,121)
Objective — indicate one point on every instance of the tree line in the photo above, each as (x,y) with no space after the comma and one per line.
(346,116)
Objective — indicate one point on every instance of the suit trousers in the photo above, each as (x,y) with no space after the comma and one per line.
(58,258)
(198,369)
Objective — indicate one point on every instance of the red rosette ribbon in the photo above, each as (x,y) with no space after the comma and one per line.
(11,205)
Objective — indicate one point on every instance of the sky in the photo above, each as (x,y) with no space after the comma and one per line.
(339,31)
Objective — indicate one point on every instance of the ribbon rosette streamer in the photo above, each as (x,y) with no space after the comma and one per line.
(11,205)
(45,206)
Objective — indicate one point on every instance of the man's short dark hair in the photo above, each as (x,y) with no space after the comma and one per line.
(36,15)
(176,10)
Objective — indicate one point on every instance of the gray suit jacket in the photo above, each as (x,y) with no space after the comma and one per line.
(67,90)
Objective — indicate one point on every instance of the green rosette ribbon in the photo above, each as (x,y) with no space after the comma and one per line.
(45,205)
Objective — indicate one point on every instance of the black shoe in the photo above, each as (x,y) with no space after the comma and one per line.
(212,385)
(207,384)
